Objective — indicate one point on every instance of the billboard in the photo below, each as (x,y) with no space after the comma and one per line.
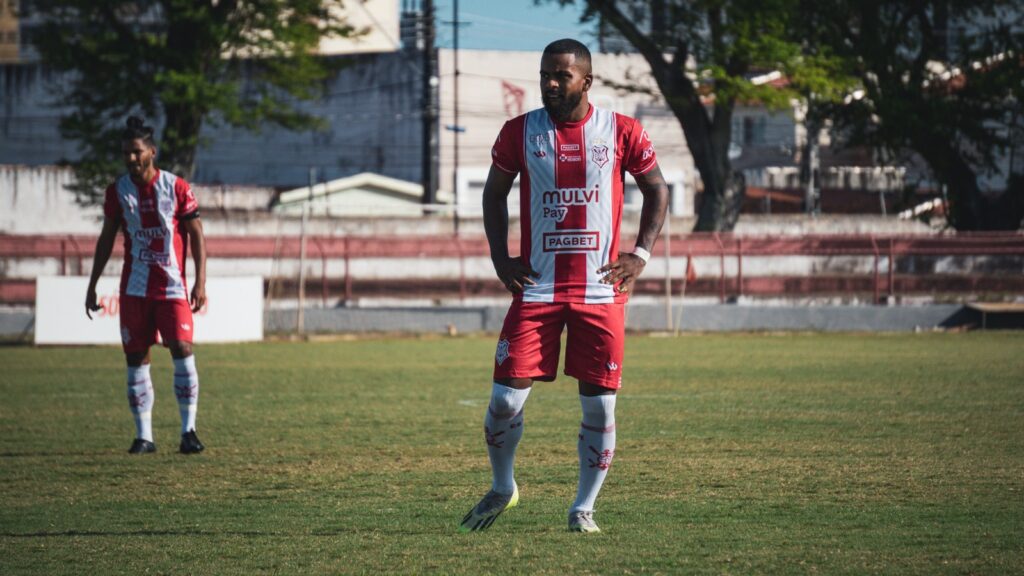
(233,311)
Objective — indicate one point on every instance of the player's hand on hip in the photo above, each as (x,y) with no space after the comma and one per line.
(624,271)
(515,274)
(91,305)
(198,297)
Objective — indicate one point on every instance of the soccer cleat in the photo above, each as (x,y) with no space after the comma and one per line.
(580,521)
(190,443)
(488,509)
(140,446)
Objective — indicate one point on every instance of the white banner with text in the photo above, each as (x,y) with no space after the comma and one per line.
(233,311)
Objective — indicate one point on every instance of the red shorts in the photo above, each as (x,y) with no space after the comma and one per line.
(531,338)
(142,318)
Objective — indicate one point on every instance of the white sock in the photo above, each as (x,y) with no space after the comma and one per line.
(140,400)
(596,448)
(186,388)
(503,428)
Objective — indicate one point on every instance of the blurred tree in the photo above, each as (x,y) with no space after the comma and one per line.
(703,55)
(945,80)
(184,62)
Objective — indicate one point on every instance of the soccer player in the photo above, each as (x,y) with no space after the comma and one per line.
(159,216)
(571,157)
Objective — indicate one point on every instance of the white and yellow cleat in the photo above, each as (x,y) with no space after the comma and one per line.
(581,521)
(488,509)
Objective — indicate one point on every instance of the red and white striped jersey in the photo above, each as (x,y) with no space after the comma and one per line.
(571,193)
(154,243)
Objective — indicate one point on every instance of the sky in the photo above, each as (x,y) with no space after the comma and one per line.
(510,24)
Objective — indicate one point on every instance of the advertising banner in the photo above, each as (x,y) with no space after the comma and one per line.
(233,311)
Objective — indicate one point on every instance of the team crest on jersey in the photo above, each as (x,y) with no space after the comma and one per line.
(166,205)
(599,154)
(502,354)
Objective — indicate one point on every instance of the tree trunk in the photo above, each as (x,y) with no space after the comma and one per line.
(720,209)
(970,209)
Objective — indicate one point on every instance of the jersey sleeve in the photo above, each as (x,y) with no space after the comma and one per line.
(187,205)
(639,156)
(111,203)
(507,151)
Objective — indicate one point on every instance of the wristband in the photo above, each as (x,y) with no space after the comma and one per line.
(642,253)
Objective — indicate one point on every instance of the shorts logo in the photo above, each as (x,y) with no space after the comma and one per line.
(599,154)
(126,336)
(612,366)
(186,327)
(571,241)
(557,214)
(502,354)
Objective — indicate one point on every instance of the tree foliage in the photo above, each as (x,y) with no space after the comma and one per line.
(943,79)
(185,62)
(703,55)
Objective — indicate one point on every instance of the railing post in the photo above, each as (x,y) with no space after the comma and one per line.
(63,258)
(721,269)
(739,267)
(323,279)
(668,271)
(892,278)
(462,271)
(874,247)
(348,274)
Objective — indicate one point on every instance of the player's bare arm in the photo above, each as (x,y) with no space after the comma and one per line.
(104,247)
(197,241)
(513,272)
(628,267)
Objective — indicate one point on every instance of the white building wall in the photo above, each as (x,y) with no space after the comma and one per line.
(486,102)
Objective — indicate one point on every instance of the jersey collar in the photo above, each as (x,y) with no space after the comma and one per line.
(590,112)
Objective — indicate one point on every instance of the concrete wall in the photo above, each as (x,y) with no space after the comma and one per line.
(18,324)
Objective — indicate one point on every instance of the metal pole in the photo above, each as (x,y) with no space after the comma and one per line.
(348,274)
(431,136)
(892,280)
(739,267)
(455,114)
(300,320)
(668,272)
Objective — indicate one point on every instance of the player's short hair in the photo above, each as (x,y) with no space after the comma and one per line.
(569,46)
(136,129)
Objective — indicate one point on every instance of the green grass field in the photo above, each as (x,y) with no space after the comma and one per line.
(737,454)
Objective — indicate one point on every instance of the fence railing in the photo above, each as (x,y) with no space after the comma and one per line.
(879,267)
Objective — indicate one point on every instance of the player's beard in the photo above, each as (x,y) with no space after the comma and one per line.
(561,109)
